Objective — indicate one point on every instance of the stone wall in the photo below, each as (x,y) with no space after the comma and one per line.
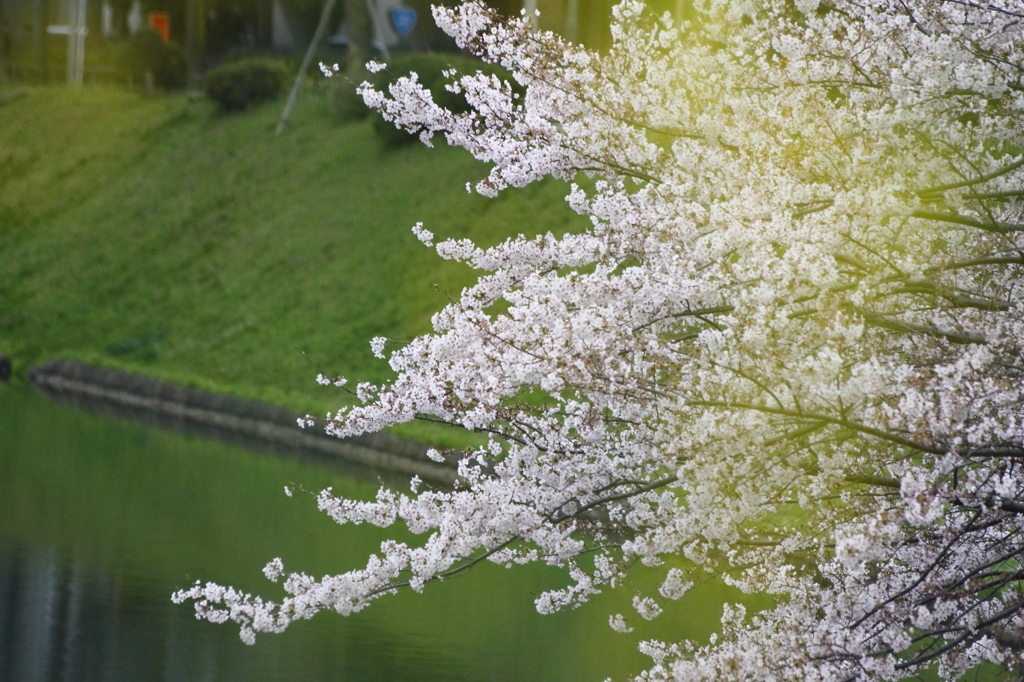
(243,422)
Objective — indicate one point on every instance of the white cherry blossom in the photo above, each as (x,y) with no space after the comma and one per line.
(787,349)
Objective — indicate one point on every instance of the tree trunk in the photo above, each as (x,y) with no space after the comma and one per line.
(195,39)
(358,19)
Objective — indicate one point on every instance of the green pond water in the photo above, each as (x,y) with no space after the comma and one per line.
(102,519)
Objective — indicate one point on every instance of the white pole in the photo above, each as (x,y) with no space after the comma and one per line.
(318,36)
(80,44)
(72,40)
(378,29)
(572,21)
(75,30)
(530,6)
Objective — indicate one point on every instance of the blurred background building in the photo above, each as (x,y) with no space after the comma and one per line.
(39,38)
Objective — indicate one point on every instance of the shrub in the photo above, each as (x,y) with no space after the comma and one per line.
(146,52)
(429,66)
(346,103)
(238,85)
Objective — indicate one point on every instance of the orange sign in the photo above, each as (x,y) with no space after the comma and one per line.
(161,23)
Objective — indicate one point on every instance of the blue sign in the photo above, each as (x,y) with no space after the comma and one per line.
(403,18)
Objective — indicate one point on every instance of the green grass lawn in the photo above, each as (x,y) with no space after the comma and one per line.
(156,235)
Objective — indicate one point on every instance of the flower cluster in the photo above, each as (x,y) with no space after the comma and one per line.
(787,348)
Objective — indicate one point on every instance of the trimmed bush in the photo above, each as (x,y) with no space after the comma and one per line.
(146,52)
(429,67)
(345,101)
(239,85)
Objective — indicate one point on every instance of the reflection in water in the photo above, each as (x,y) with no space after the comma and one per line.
(71,621)
(28,623)
(101,520)
(67,621)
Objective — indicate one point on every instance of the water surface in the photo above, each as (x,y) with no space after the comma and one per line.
(102,519)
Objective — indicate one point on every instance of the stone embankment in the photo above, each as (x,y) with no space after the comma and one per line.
(243,422)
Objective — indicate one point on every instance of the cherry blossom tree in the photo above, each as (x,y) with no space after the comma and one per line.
(788,348)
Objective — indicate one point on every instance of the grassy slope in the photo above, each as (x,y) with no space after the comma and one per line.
(155,235)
